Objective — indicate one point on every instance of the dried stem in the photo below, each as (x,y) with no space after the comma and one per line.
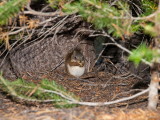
(155,78)
(153,91)
(112,102)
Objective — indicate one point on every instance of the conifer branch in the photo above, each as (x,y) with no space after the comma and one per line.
(9,9)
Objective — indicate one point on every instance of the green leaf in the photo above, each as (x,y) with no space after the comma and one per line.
(9,9)
(149,7)
(142,52)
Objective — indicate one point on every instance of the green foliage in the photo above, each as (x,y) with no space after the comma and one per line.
(57,3)
(150,29)
(136,27)
(149,7)
(143,52)
(9,9)
(102,15)
(45,90)
(54,3)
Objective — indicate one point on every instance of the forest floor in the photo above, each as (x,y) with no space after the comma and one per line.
(92,87)
(14,111)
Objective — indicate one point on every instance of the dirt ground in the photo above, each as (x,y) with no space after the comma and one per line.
(98,86)
(10,110)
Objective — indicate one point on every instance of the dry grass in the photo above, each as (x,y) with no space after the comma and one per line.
(137,114)
(80,114)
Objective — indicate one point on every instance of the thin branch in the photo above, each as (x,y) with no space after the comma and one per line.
(112,102)
(33,12)
(59,64)
(121,47)
(126,92)
(25,27)
(42,13)
(18,31)
(137,18)
(100,54)
(8,87)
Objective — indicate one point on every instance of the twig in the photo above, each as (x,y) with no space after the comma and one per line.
(137,18)
(33,12)
(127,92)
(60,63)
(100,54)
(12,91)
(25,27)
(111,102)
(121,47)
(42,14)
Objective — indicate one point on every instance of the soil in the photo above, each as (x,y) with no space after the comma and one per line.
(95,86)
(11,110)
